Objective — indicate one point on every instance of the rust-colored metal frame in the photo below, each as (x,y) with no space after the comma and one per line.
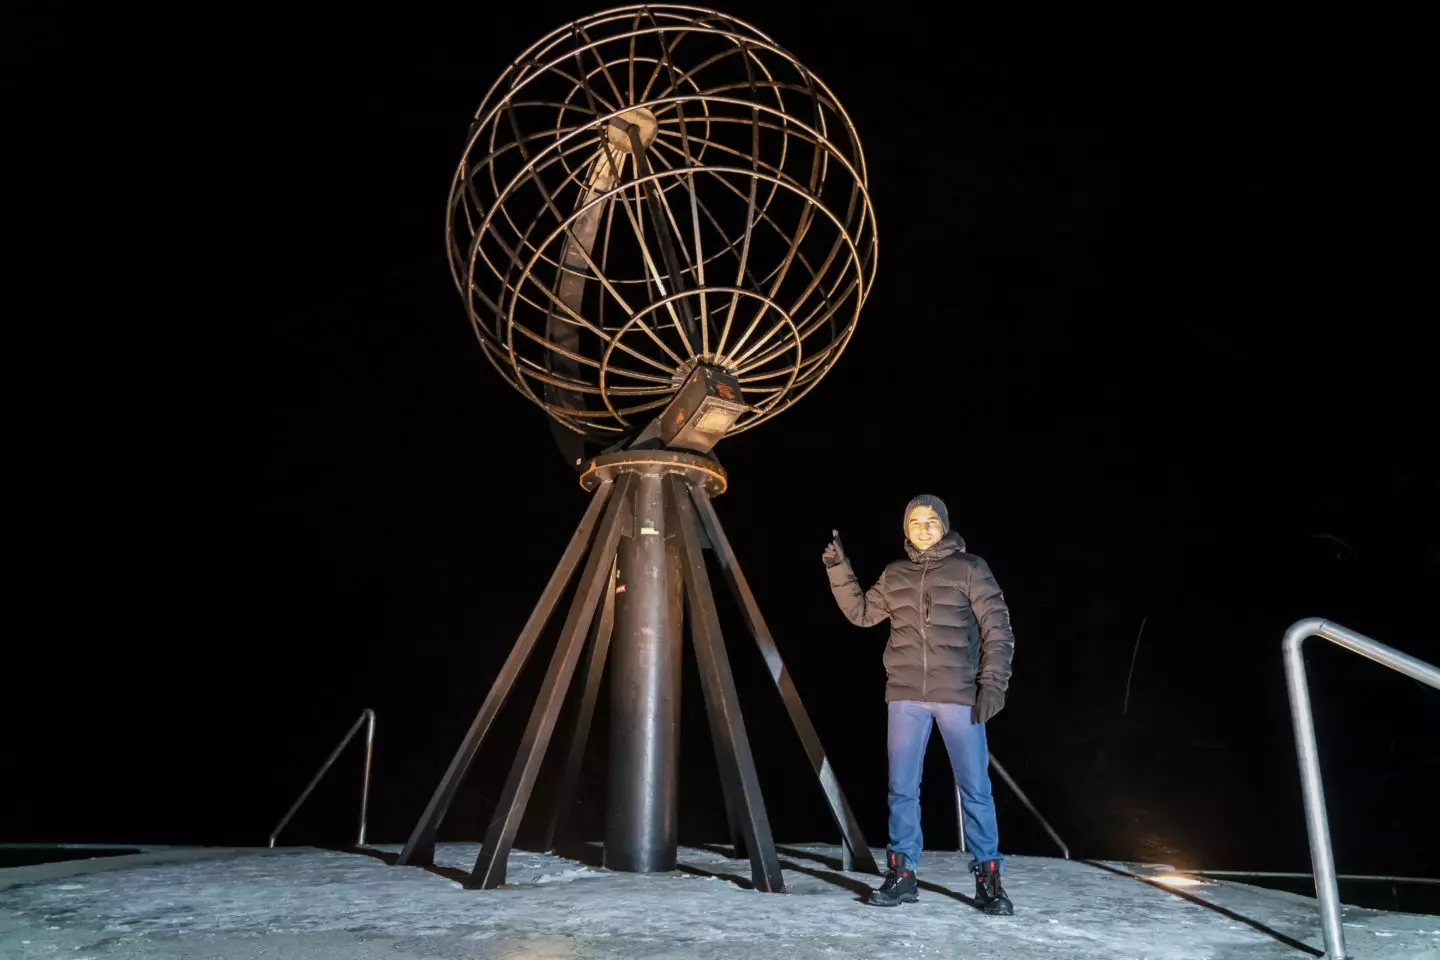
(547,163)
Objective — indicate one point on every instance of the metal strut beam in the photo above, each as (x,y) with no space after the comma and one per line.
(738,779)
(594,670)
(489,871)
(419,849)
(856,853)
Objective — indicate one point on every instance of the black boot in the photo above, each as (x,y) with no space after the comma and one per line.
(989,892)
(899,886)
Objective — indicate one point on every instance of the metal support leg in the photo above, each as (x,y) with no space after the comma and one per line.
(594,670)
(489,871)
(856,852)
(738,850)
(738,778)
(420,848)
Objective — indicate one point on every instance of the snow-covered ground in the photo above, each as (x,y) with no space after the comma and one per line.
(319,905)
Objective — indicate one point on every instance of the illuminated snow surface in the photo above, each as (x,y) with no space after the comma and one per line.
(319,905)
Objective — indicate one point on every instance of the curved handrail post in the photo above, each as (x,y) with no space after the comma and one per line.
(960,817)
(1005,775)
(367,719)
(365,778)
(1317,824)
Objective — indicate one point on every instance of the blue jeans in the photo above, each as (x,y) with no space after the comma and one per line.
(909,732)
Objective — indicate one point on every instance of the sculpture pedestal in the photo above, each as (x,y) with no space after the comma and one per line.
(650,522)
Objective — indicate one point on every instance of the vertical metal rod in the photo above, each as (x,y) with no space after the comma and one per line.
(1312,789)
(489,870)
(594,671)
(960,817)
(419,849)
(654,197)
(365,780)
(324,767)
(1322,859)
(570,289)
(738,777)
(643,799)
(1005,775)
(854,848)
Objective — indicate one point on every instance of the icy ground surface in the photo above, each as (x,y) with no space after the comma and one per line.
(319,905)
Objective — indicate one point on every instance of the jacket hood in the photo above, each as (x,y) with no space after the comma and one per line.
(949,544)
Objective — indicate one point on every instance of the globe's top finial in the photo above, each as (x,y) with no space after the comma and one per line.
(653,189)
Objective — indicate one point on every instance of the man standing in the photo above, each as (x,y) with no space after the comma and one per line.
(947,663)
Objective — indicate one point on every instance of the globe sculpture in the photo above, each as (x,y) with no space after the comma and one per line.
(661,232)
(651,189)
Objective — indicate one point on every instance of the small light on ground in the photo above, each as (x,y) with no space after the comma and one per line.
(1178,880)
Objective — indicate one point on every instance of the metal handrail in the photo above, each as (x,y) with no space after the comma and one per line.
(367,718)
(1005,775)
(1317,823)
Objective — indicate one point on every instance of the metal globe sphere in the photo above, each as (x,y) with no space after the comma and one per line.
(650,189)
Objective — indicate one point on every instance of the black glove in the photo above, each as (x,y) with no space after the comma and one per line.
(988,702)
(834,554)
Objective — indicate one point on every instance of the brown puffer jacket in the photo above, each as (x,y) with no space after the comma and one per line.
(949,626)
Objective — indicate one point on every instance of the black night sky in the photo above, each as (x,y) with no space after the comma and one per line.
(1149,316)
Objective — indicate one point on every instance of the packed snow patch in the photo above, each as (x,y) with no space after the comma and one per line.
(321,904)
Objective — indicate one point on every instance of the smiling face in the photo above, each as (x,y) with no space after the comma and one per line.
(924,528)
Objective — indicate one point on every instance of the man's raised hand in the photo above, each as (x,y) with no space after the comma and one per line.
(834,554)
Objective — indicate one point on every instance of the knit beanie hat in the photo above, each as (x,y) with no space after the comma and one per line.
(931,501)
